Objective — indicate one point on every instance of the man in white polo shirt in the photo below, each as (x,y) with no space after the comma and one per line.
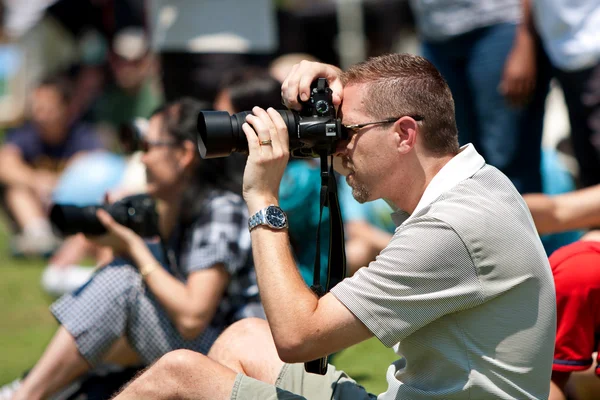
(463,291)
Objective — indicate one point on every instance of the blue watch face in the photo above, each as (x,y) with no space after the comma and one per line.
(275,217)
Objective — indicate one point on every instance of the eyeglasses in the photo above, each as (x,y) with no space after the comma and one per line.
(356,127)
(146,145)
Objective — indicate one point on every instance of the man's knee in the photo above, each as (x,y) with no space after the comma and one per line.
(177,362)
(238,336)
(244,330)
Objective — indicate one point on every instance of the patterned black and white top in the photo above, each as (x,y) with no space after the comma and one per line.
(116,302)
(219,235)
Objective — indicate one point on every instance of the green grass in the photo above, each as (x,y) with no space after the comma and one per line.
(26,326)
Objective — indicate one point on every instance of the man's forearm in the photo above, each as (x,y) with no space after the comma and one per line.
(288,301)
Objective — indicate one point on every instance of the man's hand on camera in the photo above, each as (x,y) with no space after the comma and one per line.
(268,145)
(118,237)
(297,84)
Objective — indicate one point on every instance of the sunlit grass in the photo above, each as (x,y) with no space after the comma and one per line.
(26,326)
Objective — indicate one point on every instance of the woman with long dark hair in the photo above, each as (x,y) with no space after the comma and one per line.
(180,294)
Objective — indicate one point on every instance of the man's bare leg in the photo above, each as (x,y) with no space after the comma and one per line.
(182,374)
(246,347)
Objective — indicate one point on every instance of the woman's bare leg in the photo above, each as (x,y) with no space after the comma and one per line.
(60,364)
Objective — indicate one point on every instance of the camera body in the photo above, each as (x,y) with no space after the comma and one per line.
(136,212)
(312,130)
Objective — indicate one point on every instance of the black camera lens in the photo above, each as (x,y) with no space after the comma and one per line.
(70,219)
(137,212)
(226,134)
(221,134)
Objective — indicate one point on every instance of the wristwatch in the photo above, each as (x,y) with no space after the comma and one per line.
(271,216)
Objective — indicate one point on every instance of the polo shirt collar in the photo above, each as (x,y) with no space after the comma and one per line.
(462,166)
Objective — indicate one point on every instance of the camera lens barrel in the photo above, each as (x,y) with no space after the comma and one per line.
(220,134)
(70,219)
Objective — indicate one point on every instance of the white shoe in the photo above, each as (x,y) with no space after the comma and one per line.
(8,391)
(61,280)
(29,245)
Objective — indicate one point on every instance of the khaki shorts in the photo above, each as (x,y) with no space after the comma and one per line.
(294,383)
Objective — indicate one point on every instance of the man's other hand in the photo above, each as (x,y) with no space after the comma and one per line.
(297,84)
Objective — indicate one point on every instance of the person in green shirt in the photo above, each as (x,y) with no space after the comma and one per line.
(135,91)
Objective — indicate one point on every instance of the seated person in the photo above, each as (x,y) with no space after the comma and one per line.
(90,180)
(31,160)
(206,282)
(469,309)
(133,90)
(576,270)
(114,177)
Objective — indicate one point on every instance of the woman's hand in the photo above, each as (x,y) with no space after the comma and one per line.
(268,145)
(118,237)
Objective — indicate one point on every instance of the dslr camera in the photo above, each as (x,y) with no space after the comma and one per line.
(136,212)
(312,131)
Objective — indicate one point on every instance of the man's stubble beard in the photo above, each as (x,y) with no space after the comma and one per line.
(359,191)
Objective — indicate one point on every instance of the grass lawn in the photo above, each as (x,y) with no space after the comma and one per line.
(26,326)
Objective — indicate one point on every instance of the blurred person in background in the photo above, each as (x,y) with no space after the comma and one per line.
(31,160)
(488,53)
(180,293)
(579,209)
(91,180)
(577,283)
(570,33)
(134,91)
(576,365)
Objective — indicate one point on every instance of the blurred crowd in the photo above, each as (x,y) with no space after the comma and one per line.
(97,103)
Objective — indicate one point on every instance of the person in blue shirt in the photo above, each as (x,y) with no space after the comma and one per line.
(32,158)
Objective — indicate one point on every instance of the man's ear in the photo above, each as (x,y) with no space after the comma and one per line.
(406,130)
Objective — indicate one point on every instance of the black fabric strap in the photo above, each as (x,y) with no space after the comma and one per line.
(336,266)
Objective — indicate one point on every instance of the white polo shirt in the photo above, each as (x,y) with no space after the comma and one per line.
(463,291)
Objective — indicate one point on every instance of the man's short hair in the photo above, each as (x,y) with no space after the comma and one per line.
(406,84)
(62,84)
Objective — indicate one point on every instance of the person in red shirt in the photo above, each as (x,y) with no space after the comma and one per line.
(576,270)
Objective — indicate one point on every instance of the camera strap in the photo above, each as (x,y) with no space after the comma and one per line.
(336,265)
